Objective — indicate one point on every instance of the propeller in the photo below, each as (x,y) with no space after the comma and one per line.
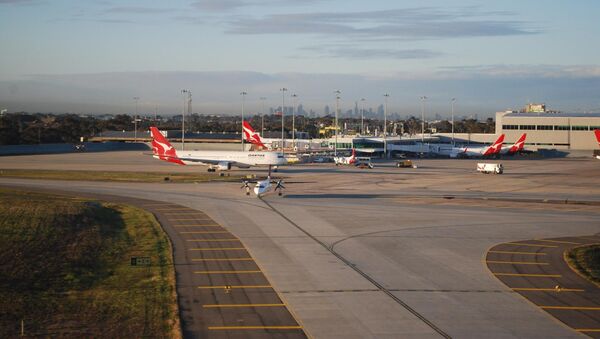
(246,185)
(279,186)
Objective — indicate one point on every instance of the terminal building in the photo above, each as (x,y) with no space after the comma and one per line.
(546,130)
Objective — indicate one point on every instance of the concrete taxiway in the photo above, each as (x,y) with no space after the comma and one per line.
(385,252)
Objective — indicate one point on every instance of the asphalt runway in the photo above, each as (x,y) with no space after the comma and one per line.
(388,252)
(536,269)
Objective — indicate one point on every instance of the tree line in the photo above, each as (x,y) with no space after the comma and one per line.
(39,128)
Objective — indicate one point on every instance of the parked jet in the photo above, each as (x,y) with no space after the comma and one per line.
(476,152)
(351,160)
(516,147)
(215,160)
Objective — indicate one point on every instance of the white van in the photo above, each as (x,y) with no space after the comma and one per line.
(490,168)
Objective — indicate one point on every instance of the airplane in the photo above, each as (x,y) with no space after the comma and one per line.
(264,186)
(476,152)
(215,160)
(346,160)
(516,147)
(597,152)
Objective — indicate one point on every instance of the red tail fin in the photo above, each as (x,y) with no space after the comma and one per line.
(250,135)
(162,148)
(496,146)
(518,146)
(597,132)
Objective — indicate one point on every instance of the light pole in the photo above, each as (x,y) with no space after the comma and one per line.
(362,116)
(262,128)
(294,96)
(423,98)
(135,119)
(337,108)
(453,100)
(283,90)
(243,94)
(183,91)
(386,96)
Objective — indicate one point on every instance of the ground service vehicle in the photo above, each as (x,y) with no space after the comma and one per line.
(490,168)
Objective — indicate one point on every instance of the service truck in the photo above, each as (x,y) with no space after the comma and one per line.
(490,168)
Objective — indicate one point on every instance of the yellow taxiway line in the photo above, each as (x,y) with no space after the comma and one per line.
(560,289)
(532,245)
(230,328)
(212,240)
(224,259)
(233,287)
(218,249)
(242,305)
(528,275)
(226,272)
(559,241)
(517,262)
(525,253)
(576,308)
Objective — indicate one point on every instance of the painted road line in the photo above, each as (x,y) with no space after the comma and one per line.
(205,232)
(232,328)
(532,245)
(198,225)
(227,272)
(557,290)
(218,249)
(517,262)
(188,219)
(233,287)
(583,329)
(559,241)
(524,253)
(575,308)
(241,305)
(212,240)
(224,259)
(528,275)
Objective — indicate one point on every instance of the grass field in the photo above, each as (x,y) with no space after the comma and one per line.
(65,269)
(586,260)
(117,176)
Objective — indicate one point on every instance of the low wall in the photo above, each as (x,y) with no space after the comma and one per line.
(70,148)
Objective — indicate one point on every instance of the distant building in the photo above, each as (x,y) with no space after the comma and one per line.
(534,108)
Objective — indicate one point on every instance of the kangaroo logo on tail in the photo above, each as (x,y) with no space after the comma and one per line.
(251,136)
(162,149)
(496,146)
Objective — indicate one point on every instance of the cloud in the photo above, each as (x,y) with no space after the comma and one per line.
(219,5)
(523,71)
(137,10)
(406,24)
(18,2)
(354,52)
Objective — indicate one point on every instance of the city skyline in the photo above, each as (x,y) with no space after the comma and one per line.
(95,57)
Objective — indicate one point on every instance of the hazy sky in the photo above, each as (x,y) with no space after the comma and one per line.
(95,56)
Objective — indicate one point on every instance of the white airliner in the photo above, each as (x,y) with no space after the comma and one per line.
(351,160)
(516,147)
(475,152)
(215,160)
